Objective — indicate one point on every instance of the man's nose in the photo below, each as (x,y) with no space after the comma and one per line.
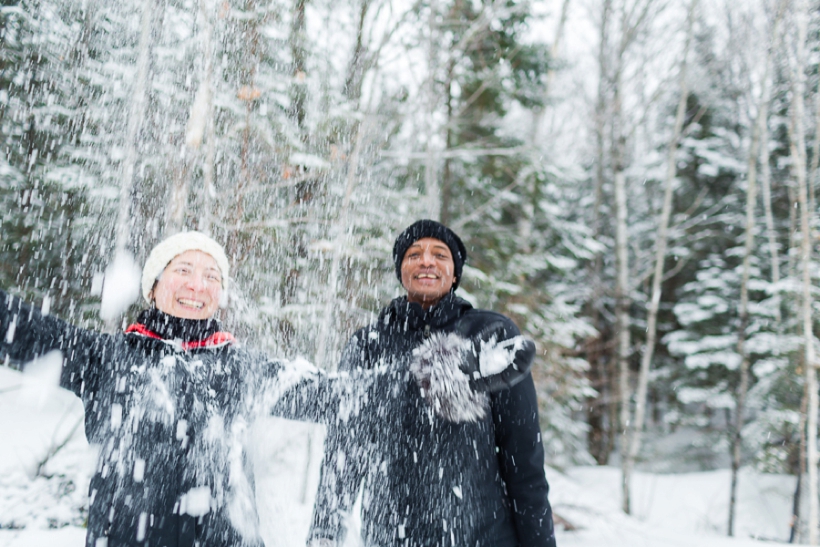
(427,258)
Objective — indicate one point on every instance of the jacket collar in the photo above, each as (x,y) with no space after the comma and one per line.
(187,334)
(412,317)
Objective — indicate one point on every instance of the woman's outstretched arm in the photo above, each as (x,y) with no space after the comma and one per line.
(26,334)
(453,373)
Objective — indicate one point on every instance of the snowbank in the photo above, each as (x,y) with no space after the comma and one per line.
(670,510)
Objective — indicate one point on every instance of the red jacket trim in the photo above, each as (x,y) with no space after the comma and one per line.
(216,339)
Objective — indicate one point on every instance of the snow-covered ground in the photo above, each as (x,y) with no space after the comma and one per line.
(43,508)
(670,510)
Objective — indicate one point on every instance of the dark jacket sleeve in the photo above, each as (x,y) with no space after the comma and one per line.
(25,334)
(300,391)
(345,458)
(521,459)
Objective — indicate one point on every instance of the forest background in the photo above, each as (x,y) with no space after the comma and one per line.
(635,181)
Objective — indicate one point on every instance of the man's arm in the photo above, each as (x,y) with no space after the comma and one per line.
(26,334)
(521,460)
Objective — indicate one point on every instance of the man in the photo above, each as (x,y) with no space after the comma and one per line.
(429,482)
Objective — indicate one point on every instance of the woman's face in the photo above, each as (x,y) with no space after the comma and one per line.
(189,287)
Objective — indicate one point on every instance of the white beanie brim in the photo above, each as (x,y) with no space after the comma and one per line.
(174,246)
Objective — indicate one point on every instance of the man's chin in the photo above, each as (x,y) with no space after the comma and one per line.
(426,298)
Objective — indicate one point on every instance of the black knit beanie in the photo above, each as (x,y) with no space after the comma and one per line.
(430,228)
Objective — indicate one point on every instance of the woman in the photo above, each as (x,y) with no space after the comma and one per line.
(169,400)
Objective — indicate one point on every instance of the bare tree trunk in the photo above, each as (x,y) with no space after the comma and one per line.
(298,98)
(815,157)
(766,187)
(660,256)
(358,61)
(792,257)
(136,114)
(340,234)
(342,223)
(556,42)
(431,185)
(622,297)
(123,258)
(795,525)
(248,93)
(622,288)
(297,48)
(765,167)
(758,131)
(633,19)
(740,401)
(209,161)
(798,153)
(526,222)
(446,171)
(600,368)
(200,128)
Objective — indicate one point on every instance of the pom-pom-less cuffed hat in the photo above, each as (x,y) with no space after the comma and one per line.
(175,245)
(430,228)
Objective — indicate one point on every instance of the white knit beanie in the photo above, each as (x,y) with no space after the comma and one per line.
(175,245)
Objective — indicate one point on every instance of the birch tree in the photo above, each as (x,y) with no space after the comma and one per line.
(136,113)
(525,224)
(123,273)
(798,153)
(758,133)
(637,425)
(432,188)
(602,410)
(632,18)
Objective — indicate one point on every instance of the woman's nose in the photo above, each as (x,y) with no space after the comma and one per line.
(197,282)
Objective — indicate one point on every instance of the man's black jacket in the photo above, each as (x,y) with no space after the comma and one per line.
(428,482)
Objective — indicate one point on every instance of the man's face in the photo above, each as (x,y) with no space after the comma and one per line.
(427,271)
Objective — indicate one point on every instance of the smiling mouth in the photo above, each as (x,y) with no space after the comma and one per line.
(426,276)
(191,303)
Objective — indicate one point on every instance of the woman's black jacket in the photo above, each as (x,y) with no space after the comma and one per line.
(428,482)
(170,425)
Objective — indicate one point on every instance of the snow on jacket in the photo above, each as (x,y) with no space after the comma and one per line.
(169,414)
(429,482)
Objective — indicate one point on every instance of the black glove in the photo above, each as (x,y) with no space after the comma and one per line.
(495,365)
(455,373)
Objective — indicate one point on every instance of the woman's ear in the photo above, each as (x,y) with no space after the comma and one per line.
(151,299)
